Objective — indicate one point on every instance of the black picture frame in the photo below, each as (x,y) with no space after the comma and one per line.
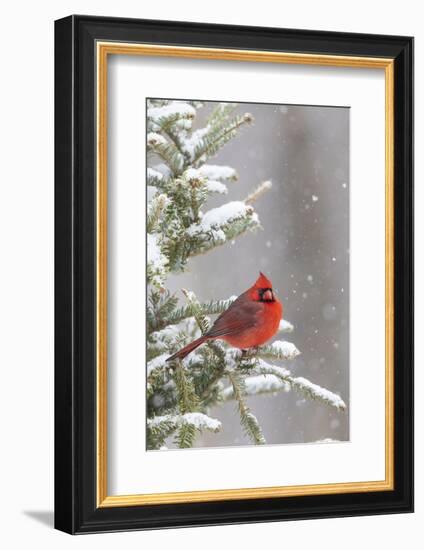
(76,510)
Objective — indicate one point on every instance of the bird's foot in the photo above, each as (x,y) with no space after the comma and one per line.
(246,357)
(250,352)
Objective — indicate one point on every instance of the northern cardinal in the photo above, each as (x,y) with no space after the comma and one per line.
(250,320)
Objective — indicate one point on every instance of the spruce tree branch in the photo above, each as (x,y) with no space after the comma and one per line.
(203,237)
(300,384)
(161,427)
(218,173)
(278,350)
(217,137)
(154,211)
(166,116)
(220,113)
(155,178)
(167,150)
(173,136)
(213,307)
(258,385)
(196,310)
(258,192)
(185,312)
(248,420)
(219,363)
(200,421)
(158,429)
(160,306)
(215,373)
(187,398)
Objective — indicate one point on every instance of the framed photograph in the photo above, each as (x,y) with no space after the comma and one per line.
(234,272)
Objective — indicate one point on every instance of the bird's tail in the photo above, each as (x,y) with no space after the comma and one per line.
(187,349)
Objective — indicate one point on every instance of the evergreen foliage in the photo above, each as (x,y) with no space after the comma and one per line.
(180,180)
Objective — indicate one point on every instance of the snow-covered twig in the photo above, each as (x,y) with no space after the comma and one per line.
(216,218)
(199,420)
(300,384)
(218,173)
(285,326)
(171,113)
(256,385)
(156,261)
(154,177)
(317,392)
(260,190)
(279,350)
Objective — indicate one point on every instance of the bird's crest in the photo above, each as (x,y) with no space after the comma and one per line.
(262,282)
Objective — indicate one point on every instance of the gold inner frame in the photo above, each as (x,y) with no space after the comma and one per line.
(104,49)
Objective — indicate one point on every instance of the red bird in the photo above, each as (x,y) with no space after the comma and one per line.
(250,320)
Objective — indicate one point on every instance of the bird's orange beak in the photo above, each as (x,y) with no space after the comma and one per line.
(268,296)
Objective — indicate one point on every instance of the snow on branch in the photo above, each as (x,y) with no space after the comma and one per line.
(317,392)
(279,350)
(196,177)
(227,213)
(159,362)
(190,144)
(218,173)
(256,385)
(154,139)
(156,261)
(285,326)
(162,426)
(216,187)
(205,143)
(167,150)
(199,420)
(301,384)
(154,211)
(202,422)
(154,177)
(215,223)
(169,114)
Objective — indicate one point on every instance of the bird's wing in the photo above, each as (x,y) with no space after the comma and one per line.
(240,316)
